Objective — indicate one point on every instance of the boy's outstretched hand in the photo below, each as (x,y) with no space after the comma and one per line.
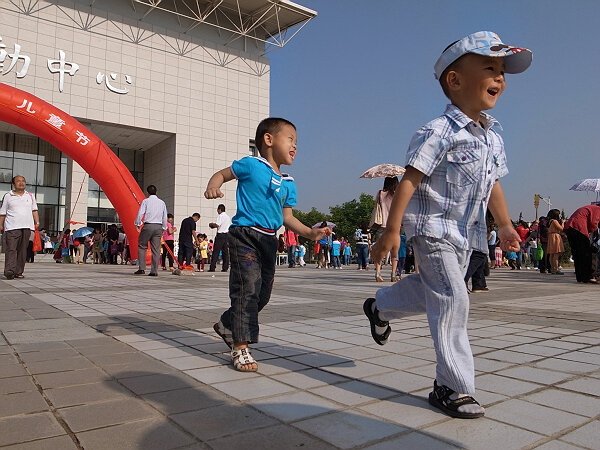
(384,244)
(318,233)
(509,239)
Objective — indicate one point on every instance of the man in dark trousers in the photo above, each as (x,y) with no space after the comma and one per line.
(18,218)
(153,214)
(221,239)
(582,223)
(187,238)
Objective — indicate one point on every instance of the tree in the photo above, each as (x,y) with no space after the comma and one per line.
(350,215)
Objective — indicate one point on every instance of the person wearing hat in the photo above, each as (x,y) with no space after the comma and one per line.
(453,166)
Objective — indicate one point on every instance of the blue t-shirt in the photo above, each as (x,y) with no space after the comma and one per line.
(511,255)
(347,250)
(335,248)
(402,249)
(261,194)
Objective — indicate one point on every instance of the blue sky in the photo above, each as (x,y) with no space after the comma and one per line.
(358,82)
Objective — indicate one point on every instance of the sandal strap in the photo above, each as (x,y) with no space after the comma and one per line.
(242,357)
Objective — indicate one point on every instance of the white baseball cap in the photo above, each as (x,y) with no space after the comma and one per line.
(487,43)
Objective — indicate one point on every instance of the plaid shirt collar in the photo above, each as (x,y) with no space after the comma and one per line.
(462,120)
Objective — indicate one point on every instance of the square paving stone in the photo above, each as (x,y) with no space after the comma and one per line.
(86,393)
(584,405)
(219,421)
(182,400)
(412,441)
(354,392)
(482,433)
(584,384)
(71,378)
(155,434)
(272,438)
(259,387)
(403,382)
(406,410)
(22,403)
(18,429)
(53,443)
(309,378)
(12,370)
(536,375)
(48,355)
(294,406)
(348,429)
(503,385)
(211,375)
(99,415)
(16,384)
(59,365)
(557,445)
(156,383)
(537,418)
(586,436)
(565,366)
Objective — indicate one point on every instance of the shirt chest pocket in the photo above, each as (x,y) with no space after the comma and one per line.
(464,166)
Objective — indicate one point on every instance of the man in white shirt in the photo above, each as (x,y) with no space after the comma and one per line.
(153,213)
(18,217)
(221,239)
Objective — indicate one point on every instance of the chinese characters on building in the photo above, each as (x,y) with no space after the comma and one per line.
(13,59)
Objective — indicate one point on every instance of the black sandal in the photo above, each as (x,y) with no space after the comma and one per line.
(381,339)
(440,398)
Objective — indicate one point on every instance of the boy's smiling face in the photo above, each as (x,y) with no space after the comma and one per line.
(283,145)
(476,83)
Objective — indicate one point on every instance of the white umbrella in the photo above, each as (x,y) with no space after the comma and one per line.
(589,184)
(384,171)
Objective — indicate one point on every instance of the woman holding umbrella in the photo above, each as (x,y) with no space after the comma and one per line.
(383,202)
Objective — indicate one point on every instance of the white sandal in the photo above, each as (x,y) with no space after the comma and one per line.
(241,358)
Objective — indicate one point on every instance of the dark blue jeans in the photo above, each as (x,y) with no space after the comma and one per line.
(362,255)
(251,276)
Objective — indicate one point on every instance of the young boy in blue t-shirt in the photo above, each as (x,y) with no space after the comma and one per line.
(265,198)
(453,166)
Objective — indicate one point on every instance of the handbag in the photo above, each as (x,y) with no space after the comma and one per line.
(37,242)
(376,215)
(539,253)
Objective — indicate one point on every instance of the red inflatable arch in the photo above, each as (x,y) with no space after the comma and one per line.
(73,139)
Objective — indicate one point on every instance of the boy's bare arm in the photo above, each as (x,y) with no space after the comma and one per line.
(298,227)
(213,189)
(405,190)
(509,238)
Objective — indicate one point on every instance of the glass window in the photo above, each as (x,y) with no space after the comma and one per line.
(63,175)
(6,162)
(92,185)
(26,147)
(49,153)
(104,202)
(48,174)
(93,198)
(62,196)
(48,217)
(4,188)
(26,168)
(6,176)
(6,140)
(47,195)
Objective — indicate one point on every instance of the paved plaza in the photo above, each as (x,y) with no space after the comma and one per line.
(93,357)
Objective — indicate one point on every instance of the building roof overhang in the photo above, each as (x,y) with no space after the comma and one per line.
(272,22)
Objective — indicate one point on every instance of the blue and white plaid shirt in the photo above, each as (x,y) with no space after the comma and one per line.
(461,162)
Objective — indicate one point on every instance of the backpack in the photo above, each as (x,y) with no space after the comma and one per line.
(358,236)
